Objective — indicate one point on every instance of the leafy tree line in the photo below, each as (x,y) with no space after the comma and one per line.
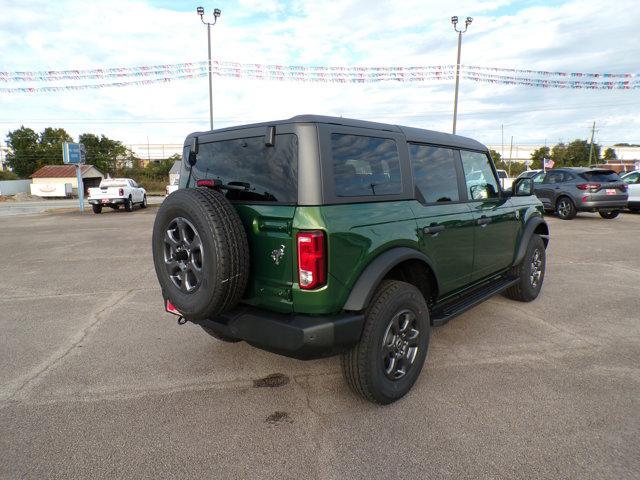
(30,150)
(574,154)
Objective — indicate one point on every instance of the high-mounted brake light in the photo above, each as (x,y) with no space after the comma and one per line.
(209,182)
(121,192)
(588,186)
(312,261)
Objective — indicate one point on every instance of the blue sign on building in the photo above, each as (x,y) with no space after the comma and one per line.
(73,153)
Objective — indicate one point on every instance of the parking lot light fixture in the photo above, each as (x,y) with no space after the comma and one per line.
(216,14)
(454,22)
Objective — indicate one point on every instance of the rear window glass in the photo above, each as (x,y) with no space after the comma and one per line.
(364,166)
(600,176)
(258,172)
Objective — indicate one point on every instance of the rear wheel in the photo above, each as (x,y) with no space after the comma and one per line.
(565,209)
(609,214)
(144,202)
(128,204)
(97,208)
(530,272)
(386,362)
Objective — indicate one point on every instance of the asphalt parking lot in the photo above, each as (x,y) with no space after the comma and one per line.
(96,381)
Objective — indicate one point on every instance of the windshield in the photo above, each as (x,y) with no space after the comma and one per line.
(255,172)
(601,176)
(113,183)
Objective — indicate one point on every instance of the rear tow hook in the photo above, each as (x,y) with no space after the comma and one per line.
(182,320)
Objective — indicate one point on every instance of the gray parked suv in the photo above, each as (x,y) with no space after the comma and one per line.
(567,191)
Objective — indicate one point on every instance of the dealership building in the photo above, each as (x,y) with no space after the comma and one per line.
(62,180)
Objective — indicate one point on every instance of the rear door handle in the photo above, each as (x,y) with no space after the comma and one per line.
(483,221)
(433,229)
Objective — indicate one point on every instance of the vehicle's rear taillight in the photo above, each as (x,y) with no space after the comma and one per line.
(209,183)
(588,186)
(312,259)
(121,192)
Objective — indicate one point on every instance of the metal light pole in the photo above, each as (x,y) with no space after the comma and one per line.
(467,22)
(216,13)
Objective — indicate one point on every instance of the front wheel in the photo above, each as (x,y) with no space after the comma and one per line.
(609,214)
(565,209)
(387,361)
(530,272)
(97,208)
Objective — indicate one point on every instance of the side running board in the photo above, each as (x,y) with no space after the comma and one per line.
(442,313)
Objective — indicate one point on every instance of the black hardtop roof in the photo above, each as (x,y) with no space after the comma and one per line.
(600,168)
(412,134)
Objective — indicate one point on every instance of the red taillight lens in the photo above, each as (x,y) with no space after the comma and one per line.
(121,192)
(588,186)
(312,261)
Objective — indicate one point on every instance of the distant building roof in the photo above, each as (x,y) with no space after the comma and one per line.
(65,171)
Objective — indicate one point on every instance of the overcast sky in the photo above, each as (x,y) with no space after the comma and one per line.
(575,36)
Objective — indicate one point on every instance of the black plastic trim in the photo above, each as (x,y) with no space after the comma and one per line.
(293,335)
(530,226)
(373,274)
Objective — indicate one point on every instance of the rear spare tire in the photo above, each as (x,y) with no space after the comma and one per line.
(200,252)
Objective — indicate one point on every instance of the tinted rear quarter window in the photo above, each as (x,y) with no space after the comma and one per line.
(434,173)
(265,174)
(365,166)
(600,176)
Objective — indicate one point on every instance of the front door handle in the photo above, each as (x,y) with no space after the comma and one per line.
(433,229)
(483,221)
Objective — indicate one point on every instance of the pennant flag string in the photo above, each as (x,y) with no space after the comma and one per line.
(156,74)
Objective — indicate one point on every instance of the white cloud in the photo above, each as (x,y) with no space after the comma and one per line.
(585,35)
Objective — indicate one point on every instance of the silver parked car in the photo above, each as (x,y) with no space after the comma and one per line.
(569,190)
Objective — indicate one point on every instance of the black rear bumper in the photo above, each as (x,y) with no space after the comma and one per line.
(293,335)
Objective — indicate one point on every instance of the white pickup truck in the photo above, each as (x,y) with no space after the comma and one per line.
(114,192)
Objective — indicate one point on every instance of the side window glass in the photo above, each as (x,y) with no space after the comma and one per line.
(631,179)
(364,166)
(434,173)
(480,180)
(539,178)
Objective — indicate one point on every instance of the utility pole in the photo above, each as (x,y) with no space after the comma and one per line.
(467,22)
(593,131)
(216,13)
(510,154)
(502,137)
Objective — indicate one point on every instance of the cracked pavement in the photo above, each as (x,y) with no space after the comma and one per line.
(97,381)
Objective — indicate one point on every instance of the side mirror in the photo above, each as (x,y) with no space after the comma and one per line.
(522,187)
(193,151)
(478,192)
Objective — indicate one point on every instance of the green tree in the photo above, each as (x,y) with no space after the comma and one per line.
(30,151)
(538,156)
(23,151)
(610,154)
(104,153)
(558,155)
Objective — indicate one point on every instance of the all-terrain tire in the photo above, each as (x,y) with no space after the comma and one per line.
(97,208)
(609,215)
(532,267)
(364,365)
(565,208)
(224,252)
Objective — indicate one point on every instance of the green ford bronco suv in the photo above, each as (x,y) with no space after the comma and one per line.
(317,235)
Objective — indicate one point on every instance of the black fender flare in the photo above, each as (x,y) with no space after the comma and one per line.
(529,229)
(373,274)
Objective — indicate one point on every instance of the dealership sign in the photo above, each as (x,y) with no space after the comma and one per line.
(73,153)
